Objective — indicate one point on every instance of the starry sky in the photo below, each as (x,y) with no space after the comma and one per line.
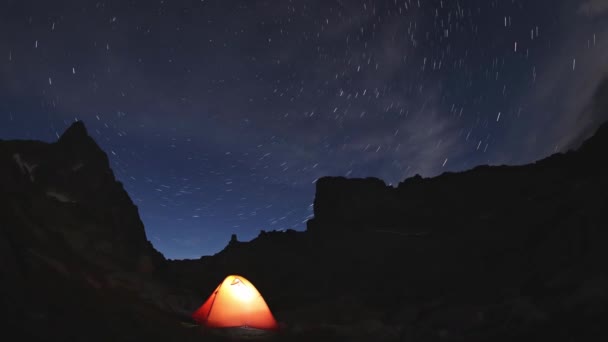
(219,116)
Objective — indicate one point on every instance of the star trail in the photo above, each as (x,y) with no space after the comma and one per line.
(219,116)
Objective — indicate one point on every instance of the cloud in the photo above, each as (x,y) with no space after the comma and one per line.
(564,97)
(582,99)
(594,114)
(594,7)
(419,144)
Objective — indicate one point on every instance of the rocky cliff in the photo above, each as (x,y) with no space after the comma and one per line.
(65,193)
(75,260)
(513,193)
(493,253)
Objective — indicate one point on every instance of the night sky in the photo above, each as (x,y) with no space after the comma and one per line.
(218,116)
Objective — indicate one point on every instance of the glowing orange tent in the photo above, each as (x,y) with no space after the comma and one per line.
(235,303)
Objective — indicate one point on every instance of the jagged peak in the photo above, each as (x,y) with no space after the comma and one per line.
(81,145)
(77,131)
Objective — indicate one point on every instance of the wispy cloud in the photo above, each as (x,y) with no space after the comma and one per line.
(594,7)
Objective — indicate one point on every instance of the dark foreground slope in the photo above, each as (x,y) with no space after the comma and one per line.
(494,253)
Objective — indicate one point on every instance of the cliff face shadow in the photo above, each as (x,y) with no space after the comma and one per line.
(494,253)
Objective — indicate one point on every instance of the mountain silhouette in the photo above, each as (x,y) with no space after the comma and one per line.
(492,253)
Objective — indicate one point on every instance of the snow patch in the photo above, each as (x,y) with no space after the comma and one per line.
(77,166)
(24,166)
(60,197)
